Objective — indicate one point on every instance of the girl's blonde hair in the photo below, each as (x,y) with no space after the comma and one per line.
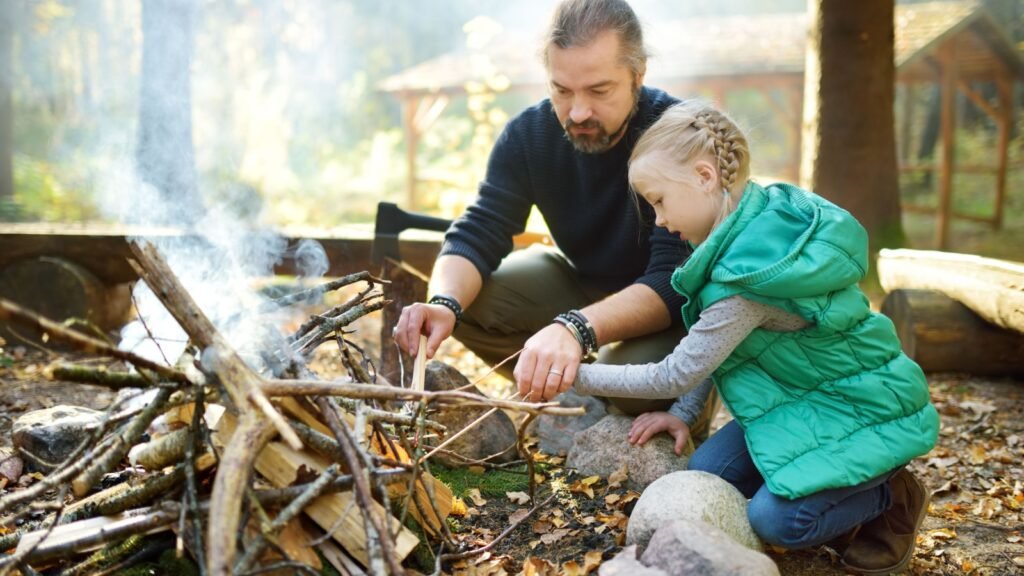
(688,131)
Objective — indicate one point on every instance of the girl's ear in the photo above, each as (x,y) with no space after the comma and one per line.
(707,174)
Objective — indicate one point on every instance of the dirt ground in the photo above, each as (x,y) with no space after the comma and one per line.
(974,525)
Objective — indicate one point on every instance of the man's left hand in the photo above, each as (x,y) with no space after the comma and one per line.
(547,367)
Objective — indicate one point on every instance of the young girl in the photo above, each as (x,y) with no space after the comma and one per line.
(827,409)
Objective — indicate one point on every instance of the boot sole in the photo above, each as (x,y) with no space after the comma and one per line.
(905,561)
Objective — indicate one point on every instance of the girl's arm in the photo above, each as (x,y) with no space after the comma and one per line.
(720,329)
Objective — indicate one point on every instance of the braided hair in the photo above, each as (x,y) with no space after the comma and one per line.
(693,129)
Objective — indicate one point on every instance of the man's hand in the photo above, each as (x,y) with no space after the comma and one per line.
(547,367)
(647,425)
(434,320)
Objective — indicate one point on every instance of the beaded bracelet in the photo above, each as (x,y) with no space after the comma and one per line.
(581,329)
(449,303)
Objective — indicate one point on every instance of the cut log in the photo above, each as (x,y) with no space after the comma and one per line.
(59,289)
(943,335)
(993,289)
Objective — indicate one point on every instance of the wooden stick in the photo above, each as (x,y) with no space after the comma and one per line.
(11,311)
(349,389)
(419,367)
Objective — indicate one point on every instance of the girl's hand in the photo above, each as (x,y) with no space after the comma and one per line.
(647,425)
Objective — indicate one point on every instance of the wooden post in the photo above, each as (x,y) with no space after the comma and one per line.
(408,285)
(796,121)
(948,74)
(409,106)
(1005,88)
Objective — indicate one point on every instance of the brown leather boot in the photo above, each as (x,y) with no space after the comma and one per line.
(886,544)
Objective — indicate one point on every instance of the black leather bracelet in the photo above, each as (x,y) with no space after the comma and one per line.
(449,303)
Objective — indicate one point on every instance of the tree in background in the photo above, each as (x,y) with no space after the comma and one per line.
(849,150)
(6,108)
(164,154)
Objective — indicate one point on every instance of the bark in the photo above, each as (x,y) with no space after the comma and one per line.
(849,152)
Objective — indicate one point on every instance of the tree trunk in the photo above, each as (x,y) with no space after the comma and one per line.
(6,106)
(164,152)
(849,152)
(993,289)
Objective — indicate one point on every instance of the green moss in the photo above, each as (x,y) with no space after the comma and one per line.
(491,483)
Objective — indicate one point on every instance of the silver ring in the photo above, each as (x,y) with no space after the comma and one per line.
(553,371)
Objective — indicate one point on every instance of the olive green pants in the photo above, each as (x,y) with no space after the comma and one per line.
(524,295)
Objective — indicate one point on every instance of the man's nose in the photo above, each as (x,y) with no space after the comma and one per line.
(580,111)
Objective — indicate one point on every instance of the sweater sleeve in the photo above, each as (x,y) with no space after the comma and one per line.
(668,252)
(483,235)
(720,329)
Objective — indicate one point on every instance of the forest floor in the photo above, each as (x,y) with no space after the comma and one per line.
(975,524)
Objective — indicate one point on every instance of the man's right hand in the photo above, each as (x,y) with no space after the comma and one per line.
(434,320)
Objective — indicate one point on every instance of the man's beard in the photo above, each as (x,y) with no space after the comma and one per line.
(601,140)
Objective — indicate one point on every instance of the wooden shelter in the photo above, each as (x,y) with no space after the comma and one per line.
(955,45)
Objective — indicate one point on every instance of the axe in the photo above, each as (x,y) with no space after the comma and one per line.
(391,221)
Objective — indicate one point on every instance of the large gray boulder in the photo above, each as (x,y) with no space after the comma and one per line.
(697,548)
(46,437)
(604,448)
(695,496)
(555,433)
(495,435)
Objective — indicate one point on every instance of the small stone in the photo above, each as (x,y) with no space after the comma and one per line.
(604,448)
(626,564)
(495,435)
(45,438)
(695,496)
(697,548)
(555,433)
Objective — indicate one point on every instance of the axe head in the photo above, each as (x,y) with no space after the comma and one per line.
(391,221)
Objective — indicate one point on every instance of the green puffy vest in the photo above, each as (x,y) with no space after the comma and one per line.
(836,403)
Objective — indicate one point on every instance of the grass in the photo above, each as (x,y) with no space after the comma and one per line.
(491,483)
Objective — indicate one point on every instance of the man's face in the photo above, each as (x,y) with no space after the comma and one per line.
(593,93)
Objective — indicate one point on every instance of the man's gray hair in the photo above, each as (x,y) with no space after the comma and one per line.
(579,22)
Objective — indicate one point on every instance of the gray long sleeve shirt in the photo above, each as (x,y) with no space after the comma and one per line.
(720,329)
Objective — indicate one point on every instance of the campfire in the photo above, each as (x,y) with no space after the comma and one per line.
(246,448)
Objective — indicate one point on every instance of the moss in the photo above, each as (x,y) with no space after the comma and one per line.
(491,483)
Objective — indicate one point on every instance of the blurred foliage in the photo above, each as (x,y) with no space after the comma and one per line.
(288,125)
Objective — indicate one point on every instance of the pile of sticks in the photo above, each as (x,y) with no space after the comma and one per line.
(245,457)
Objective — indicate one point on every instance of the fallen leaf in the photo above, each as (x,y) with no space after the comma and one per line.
(518,515)
(572,568)
(978,454)
(1018,560)
(476,469)
(554,536)
(518,497)
(534,566)
(612,499)
(617,478)
(474,495)
(591,560)
(458,506)
(541,527)
(590,480)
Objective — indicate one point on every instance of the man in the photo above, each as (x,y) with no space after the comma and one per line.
(608,286)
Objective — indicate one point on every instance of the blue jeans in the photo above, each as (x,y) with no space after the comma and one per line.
(800,523)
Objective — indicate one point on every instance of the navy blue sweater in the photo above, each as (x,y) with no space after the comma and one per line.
(584,198)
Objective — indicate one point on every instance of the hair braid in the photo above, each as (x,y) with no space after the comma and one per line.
(723,138)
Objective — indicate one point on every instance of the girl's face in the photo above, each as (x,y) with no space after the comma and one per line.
(684,196)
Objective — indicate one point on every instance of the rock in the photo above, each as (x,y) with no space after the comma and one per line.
(555,433)
(695,496)
(11,466)
(495,435)
(604,448)
(626,564)
(697,548)
(46,437)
